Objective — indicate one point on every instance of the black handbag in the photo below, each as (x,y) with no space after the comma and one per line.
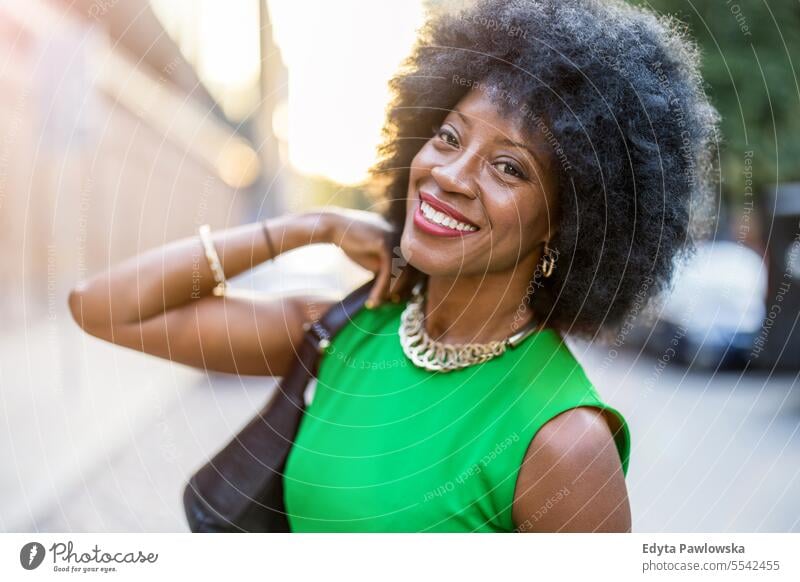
(241,488)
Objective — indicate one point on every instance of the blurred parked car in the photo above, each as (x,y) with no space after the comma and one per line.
(715,310)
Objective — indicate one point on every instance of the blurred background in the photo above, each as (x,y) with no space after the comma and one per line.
(125,124)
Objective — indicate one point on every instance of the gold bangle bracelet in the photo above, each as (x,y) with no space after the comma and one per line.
(213,260)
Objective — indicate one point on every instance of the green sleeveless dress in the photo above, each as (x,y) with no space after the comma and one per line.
(386,446)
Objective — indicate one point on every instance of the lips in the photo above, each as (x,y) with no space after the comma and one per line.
(445,208)
(439,219)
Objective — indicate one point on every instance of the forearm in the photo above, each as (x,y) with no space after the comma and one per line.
(174,274)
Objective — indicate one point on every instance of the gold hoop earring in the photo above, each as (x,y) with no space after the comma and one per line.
(548,261)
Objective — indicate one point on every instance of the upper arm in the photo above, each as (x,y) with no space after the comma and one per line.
(571,479)
(240,333)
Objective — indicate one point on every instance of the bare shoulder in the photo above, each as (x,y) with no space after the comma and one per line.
(571,479)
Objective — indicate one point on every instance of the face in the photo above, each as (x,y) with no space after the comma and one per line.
(480,195)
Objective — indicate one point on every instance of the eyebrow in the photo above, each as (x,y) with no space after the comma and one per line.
(463,117)
(524,146)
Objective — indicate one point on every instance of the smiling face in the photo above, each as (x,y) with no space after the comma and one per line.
(480,194)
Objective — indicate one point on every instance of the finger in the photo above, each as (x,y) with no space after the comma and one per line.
(398,283)
(381,285)
(372,264)
(397,275)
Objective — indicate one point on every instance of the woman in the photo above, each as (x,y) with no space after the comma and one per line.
(541,165)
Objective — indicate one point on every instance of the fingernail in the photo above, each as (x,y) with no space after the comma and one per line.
(369,304)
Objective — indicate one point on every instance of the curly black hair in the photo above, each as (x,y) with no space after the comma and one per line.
(617,92)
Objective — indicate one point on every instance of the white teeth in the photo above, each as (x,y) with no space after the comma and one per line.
(440,218)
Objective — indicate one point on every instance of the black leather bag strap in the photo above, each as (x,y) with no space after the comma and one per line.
(241,488)
(321,332)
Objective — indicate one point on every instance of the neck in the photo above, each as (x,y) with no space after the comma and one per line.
(478,308)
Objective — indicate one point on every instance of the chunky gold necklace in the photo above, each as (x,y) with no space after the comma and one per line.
(437,356)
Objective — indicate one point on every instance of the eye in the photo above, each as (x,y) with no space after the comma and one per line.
(447,136)
(511,169)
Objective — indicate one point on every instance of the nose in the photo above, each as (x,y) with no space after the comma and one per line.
(459,174)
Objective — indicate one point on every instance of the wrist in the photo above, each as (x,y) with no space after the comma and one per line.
(319,226)
(292,231)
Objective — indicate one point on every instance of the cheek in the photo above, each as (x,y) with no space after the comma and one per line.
(415,172)
(513,215)
(424,160)
(518,221)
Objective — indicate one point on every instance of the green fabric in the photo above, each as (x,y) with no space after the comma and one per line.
(385,446)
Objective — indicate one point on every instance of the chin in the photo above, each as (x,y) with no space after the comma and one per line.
(428,261)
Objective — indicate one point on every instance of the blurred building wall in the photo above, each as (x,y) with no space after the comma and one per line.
(86,181)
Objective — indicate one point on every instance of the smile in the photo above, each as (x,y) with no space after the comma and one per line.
(434,217)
